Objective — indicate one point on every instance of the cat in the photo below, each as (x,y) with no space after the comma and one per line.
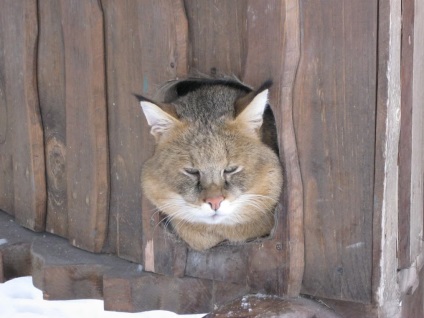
(215,172)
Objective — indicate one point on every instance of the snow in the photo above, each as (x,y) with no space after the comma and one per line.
(20,299)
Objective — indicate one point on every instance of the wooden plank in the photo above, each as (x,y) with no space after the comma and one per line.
(417,138)
(140,58)
(62,271)
(15,260)
(279,62)
(406,132)
(181,295)
(411,253)
(6,161)
(19,37)
(335,87)
(153,292)
(385,216)
(86,124)
(217,31)
(411,156)
(51,90)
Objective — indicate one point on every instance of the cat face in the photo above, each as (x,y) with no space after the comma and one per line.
(212,172)
(219,173)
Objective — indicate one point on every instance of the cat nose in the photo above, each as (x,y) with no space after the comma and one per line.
(215,202)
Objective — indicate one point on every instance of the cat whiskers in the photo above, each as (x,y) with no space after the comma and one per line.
(260,203)
(173,205)
(176,209)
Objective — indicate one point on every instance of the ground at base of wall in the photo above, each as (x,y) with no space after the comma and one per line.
(269,306)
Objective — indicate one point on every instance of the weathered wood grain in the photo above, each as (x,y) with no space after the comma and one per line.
(6,159)
(417,138)
(182,295)
(51,90)
(217,33)
(334,116)
(223,263)
(21,139)
(146,46)
(385,290)
(279,61)
(411,157)
(87,166)
(62,271)
(15,261)
(152,292)
(406,133)
(343,142)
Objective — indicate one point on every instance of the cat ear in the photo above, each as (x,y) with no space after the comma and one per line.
(159,120)
(252,114)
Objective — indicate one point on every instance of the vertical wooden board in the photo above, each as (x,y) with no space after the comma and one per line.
(406,133)
(146,43)
(19,38)
(86,124)
(417,136)
(51,90)
(334,111)
(279,61)
(6,164)
(385,286)
(411,156)
(217,31)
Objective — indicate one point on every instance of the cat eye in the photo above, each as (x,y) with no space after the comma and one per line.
(232,169)
(191,172)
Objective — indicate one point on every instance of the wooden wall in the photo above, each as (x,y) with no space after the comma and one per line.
(73,139)
(335,121)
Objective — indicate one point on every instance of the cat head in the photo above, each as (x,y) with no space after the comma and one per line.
(249,110)
(211,172)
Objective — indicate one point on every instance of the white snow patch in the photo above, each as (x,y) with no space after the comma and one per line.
(20,299)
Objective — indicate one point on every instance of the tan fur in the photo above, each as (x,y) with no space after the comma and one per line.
(251,192)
